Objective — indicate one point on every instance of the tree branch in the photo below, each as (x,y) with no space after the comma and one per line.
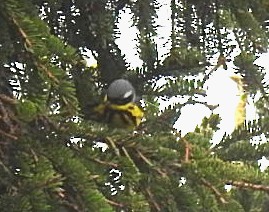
(241,184)
(130,159)
(150,195)
(147,161)
(215,191)
(114,203)
(113,145)
(29,49)
(114,165)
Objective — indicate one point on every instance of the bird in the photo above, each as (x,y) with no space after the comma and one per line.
(120,108)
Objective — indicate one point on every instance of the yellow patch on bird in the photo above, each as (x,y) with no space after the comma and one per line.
(126,116)
(130,115)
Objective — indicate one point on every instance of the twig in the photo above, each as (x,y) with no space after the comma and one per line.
(6,169)
(158,208)
(60,192)
(144,158)
(187,150)
(206,77)
(113,145)
(214,190)
(130,159)
(72,206)
(7,99)
(221,62)
(30,46)
(51,181)
(34,155)
(114,203)
(8,135)
(147,161)
(105,163)
(241,184)
(49,74)
(130,137)
(176,165)
(23,34)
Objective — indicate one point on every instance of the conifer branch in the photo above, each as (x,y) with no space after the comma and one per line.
(216,192)
(241,184)
(23,34)
(128,139)
(113,145)
(126,153)
(114,165)
(150,195)
(56,179)
(114,203)
(130,159)
(29,48)
(147,161)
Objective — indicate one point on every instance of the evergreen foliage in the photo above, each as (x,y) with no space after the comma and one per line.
(55,156)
